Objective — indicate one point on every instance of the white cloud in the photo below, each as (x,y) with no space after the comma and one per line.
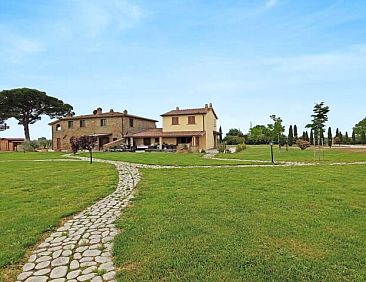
(95,17)
(271,3)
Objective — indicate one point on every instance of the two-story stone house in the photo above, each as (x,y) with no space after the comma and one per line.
(106,127)
(196,128)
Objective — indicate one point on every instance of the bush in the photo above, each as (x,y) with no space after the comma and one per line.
(203,151)
(234,140)
(303,144)
(227,151)
(240,147)
(221,148)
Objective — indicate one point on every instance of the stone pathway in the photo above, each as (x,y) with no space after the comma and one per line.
(81,250)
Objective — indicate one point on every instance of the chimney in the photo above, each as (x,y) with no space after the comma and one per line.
(210,105)
(111,111)
(177,108)
(125,112)
(99,111)
(206,106)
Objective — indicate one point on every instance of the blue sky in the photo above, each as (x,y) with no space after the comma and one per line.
(250,59)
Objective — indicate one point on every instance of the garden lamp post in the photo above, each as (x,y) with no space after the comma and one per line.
(271,144)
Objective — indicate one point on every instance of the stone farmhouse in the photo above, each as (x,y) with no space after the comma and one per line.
(194,128)
(106,127)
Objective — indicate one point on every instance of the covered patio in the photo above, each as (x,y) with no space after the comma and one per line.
(156,137)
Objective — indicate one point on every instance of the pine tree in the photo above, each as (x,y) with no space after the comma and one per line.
(290,136)
(295,133)
(363,138)
(311,137)
(330,137)
(353,137)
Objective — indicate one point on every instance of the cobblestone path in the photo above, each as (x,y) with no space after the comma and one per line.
(81,250)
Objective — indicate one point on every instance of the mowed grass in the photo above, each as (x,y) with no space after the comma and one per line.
(294,154)
(162,158)
(30,155)
(246,224)
(35,196)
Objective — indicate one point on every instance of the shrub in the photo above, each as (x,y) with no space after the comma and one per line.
(227,151)
(203,151)
(221,148)
(234,140)
(240,147)
(303,144)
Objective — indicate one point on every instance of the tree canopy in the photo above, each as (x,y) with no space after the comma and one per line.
(28,105)
(360,127)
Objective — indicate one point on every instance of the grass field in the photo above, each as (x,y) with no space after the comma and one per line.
(294,154)
(251,224)
(161,158)
(35,196)
(29,156)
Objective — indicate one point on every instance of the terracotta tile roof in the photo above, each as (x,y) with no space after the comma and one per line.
(13,139)
(158,132)
(102,115)
(196,111)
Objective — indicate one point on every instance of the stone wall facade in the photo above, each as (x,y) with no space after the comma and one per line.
(107,127)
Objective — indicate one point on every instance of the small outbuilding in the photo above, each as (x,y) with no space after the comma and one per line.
(10,144)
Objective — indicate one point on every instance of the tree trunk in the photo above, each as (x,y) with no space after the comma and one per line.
(26,132)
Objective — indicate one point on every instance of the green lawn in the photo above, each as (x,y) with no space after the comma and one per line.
(161,158)
(294,154)
(35,196)
(246,224)
(30,156)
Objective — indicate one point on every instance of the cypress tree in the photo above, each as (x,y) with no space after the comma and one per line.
(290,136)
(295,133)
(307,136)
(353,137)
(347,139)
(340,135)
(330,137)
(337,133)
(315,137)
(311,137)
(363,138)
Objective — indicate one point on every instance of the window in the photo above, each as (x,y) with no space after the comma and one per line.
(131,122)
(184,140)
(191,120)
(175,120)
(82,123)
(58,127)
(103,122)
(157,140)
(70,124)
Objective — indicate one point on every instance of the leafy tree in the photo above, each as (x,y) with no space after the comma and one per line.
(28,105)
(259,134)
(320,117)
(277,129)
(360,127)
(311,137)
(44,143)
(234,137)
(303,144)
(363,137)
(330,137)
(290,136)
(295,133)
(83,143)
